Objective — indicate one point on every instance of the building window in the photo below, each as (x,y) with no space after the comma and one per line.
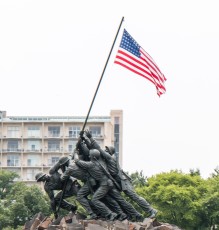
(31,173)
(13,131)
(33,131)
(33,160)
(71,145)
(54,131)
(13,146)
(53,160)
(95,131)
(116,134)
(116,145)
(33,145)
(53,145)
(116,128)
(116,120)
(74,131)
(13,160)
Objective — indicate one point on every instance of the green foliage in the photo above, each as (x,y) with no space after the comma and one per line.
(194,172)
(211,200)
(11,228)
(216,172)
(138,179)
(4,215)
(6,182)
(25,201)
(36,201)
(73,200)
(20,203)
(177,196)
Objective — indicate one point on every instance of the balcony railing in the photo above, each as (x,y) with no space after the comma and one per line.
(73,135)
(33,150)
(12,150)
(11,136)
(97,135)
(54,150)
(54,135)
(33,137)
(13,165)
(32,165)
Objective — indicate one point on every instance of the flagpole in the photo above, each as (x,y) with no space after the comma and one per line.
(102,74)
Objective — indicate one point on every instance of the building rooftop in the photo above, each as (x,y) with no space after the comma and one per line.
(54,119)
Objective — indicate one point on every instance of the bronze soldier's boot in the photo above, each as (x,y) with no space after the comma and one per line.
(91,216)
(139,218)
(73,208)
(112,216)
(152,213)
(122,216)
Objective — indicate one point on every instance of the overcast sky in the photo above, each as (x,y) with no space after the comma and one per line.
(52,54)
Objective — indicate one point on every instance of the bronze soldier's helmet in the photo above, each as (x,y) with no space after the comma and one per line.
(39,176)
(63,160)
(94,153)
(110,149)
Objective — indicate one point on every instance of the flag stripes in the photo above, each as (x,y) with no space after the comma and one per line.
(131,56)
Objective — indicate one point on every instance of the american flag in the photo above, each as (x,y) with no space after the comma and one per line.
(131,56)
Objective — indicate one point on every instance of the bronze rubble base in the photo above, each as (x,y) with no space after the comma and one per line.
(78,222)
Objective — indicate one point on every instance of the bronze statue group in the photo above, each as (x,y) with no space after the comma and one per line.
(103,182)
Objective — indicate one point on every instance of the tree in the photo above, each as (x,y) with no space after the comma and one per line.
(138,179)
(211,200)
(177,196)
(19,202)
(216,172)
(4,215)
(194,172)
(6,182)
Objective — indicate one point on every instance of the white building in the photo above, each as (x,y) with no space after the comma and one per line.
(29,144)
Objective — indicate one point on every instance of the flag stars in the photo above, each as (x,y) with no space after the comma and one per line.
(129,44)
